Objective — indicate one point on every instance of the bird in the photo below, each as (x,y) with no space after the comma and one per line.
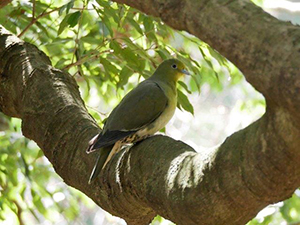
(143,111)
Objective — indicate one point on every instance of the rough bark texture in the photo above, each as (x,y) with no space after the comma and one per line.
(253,168)
(4,3)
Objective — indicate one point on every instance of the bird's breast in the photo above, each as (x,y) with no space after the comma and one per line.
(163,119)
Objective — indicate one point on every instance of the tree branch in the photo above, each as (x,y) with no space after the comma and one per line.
(253,168)
(35,19)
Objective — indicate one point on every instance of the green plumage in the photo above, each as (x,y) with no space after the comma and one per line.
(138,108)
(142,112)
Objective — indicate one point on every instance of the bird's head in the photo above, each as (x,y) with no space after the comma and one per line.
(171,70)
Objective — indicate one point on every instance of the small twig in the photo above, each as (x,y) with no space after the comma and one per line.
(86,58)
(19,213)
(77,35)
(97,111)
(78,8)
(33,21)
(33,9)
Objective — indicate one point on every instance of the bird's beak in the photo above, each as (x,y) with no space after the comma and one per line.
(184,71)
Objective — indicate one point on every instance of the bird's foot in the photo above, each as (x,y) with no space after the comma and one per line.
(143,138)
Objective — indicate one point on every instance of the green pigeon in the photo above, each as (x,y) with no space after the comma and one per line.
(142,112)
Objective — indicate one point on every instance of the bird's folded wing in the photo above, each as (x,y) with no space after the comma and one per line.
(109,138)
(138,108)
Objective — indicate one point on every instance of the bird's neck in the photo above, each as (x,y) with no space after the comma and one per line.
(164,77)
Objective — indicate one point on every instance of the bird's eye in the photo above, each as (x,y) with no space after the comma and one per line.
(174,66)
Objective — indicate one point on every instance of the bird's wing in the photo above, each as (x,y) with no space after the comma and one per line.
(138,108)
(110,137)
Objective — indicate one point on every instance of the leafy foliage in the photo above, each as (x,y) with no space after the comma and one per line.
(104,43)
(108,48)
(23,175)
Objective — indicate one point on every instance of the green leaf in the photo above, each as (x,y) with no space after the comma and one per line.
(236,76)
(103,29)
(61,63)
(184,102)
(164,31)
(195,82)
(70,20)
(157,219)
(142,65)
(108,26)
(130,57)
(108,66)
(221,59)
(149,28)
(130,44)
(148,24)
(63,24)
(73,19)
(22,191)
(163,130)
(90,39)
(43,29)
(209,63)
(108,11)
(70,5)
(182,84)
(105,23)
(136,49)
(133,23)
(2,216)
(124,76)
(115,46)
(66,7)
(163,53)
(37,201)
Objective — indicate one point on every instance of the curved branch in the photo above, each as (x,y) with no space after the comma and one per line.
(254,167)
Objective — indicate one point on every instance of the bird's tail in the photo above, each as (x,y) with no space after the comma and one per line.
(101,159)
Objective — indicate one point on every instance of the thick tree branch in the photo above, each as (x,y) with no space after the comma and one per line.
(252,168)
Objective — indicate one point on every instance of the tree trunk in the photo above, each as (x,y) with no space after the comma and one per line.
(253,167)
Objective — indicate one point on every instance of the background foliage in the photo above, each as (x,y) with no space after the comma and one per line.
(109,48)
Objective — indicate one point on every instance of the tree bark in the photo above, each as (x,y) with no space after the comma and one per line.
(252,168)
(4,3)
